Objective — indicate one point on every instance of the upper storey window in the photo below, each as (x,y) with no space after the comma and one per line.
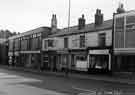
(50,43)
(119,25)
(130,23)
(82,41)
(66,42)
(102,39)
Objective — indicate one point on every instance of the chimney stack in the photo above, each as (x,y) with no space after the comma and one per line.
(54,22)
(81,22)
(120,9)
(98,17)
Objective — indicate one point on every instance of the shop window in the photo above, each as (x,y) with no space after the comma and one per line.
(64,59)
(81,58)
(99,61)
(92,61)
(81,63)
(82,41)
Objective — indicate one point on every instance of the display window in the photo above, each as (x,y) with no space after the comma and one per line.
(99,61)
(81,62)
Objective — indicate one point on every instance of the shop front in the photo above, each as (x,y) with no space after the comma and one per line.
(30,59)
(45,61)
(49,60)
(53,62)
(13,58)
(124,60)
(79,61)
(63,57)
(99,61)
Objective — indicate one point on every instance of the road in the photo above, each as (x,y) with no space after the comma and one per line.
(22,83)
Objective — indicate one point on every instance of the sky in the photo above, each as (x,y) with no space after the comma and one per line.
(24,15)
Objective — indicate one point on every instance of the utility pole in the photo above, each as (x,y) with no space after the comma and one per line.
(68,56)
(69,7)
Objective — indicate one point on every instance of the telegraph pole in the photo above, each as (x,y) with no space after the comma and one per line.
(69,7)
(68,56)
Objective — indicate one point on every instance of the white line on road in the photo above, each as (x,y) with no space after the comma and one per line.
(85,90)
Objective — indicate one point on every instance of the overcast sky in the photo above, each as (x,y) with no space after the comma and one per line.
(24,15)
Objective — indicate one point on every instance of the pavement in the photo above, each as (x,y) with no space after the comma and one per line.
(106,78)
(11,84)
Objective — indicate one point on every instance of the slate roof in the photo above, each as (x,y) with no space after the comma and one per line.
(88,28)
(37,30)
(72,30)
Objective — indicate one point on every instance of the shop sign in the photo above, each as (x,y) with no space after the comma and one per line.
(16,53)
(98,51)
(29,51)
(10,54)
(62,51)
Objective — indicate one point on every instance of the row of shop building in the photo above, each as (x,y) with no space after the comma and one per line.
(103,46)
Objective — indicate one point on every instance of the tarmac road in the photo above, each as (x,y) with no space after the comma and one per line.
(14,82)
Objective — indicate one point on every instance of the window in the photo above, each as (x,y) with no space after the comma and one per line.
(81,58)
(99,61)
(39,42)
(102,39)
(75,43)
(130,23)
(45,44)
(65,42)
(82,41)
(50,43)
(119,25)
(130,19)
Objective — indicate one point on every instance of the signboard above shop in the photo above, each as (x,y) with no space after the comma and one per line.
(105,51)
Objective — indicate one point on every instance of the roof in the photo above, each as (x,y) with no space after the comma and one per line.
(88,28)
(131,12)
(37,30)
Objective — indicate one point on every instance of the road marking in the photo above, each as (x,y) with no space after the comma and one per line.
(96,92)
(85,90)
(87,93)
